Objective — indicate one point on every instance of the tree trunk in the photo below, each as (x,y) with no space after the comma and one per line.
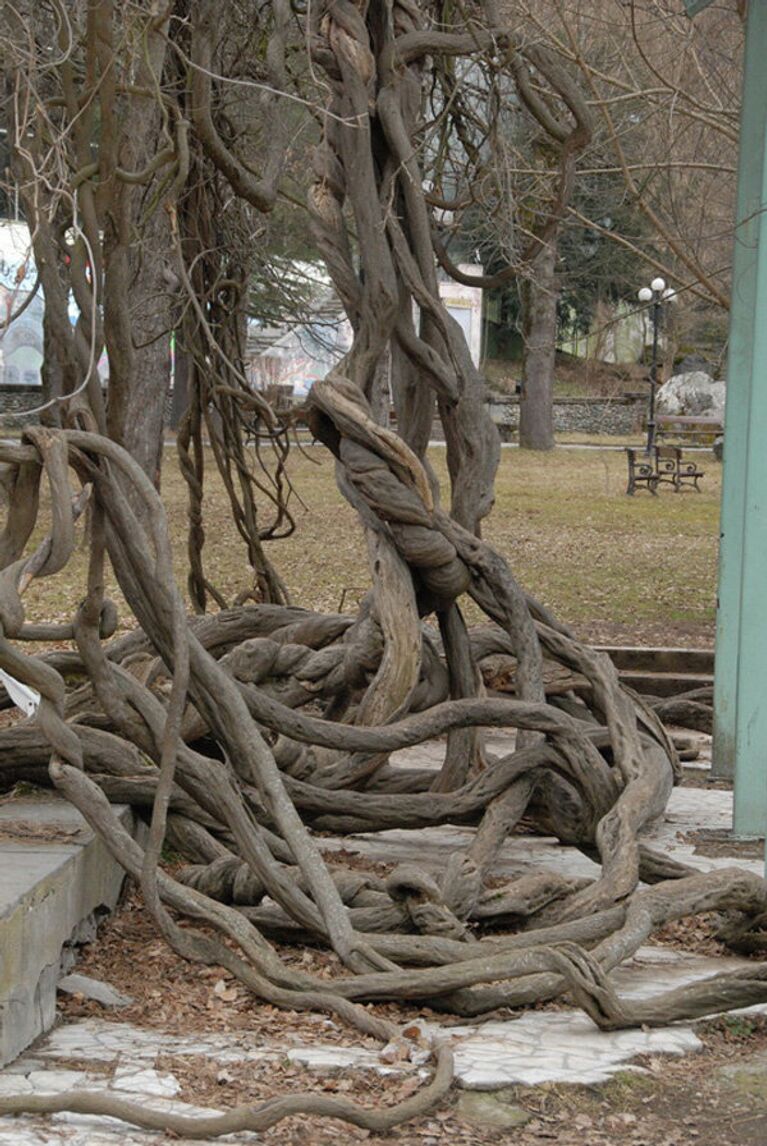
(539,335)
(180,392)
(253,728)
(153,320)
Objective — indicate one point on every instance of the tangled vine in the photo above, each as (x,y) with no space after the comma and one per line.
(242,733)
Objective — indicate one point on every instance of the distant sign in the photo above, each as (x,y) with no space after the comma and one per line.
(17,267)
(695,6)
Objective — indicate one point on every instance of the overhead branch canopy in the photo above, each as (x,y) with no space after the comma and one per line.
(243,733)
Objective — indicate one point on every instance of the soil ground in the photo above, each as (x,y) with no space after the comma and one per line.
(573,376)
(620,570)
(716,1096)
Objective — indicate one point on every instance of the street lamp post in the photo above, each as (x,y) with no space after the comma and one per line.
(656,293)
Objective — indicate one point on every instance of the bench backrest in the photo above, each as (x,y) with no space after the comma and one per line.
(703,420)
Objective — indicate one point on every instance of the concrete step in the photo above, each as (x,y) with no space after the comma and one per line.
(56,880)
(681,661)
(662,671)
(665,683)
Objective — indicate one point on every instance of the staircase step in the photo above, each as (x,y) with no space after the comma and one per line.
(665,683)
(56,880)
(661,660)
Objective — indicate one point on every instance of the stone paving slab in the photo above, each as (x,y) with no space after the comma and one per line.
(560,1046)
(556,1046)
(688,810)
(539,1047)
(655,969)
(85,1130)
(56,877)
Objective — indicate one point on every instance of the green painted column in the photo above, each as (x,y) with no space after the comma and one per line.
(740,689)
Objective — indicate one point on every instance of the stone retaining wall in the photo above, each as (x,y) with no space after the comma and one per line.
(14,400)
(17,399)
(623,415)
(58,879)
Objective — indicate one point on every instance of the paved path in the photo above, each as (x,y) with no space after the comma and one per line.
(539,1047)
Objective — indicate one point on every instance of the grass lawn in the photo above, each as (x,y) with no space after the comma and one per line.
(620,569)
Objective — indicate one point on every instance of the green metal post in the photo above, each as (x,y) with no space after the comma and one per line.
(740,689)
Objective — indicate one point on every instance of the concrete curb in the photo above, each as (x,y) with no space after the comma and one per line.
(56,880)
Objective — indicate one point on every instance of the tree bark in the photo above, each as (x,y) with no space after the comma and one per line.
(539,334)
(254,729)
(150,380)
(137,254)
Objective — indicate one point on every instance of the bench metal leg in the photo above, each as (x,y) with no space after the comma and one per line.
(640,473)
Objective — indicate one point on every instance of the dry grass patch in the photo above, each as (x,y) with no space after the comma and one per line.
(616,567)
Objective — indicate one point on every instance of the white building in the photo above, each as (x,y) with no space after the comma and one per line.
(21,340)
(288,359)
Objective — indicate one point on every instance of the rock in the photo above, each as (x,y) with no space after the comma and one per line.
(24,1066)
(491,1108)
(692,394)
(135,1080)
(749,1076)
(93,989)
(692,363)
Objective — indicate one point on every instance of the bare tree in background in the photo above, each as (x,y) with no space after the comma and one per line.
(661,98)
(248,729)
(124,179)
(664,94)
(504,165)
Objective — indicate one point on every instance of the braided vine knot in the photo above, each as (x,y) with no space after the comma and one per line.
(390,485)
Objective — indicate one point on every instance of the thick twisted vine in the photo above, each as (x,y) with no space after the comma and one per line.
(242,735)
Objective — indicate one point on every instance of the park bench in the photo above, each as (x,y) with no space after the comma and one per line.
(641,471)
(698,428)
(664,464)
(671,466)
